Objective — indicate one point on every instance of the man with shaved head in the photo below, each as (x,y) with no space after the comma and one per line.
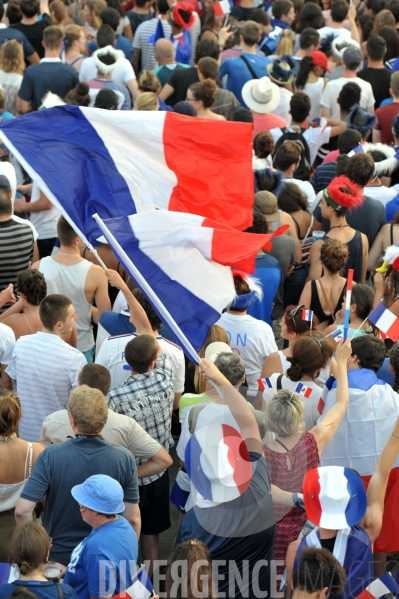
(165,56)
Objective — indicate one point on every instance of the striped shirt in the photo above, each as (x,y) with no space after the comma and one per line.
(16,251)
(143,32)
(323,176)
(45,369)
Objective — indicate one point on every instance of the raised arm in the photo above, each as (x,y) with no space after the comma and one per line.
(138,316)
(239,407)
(377,488)
(326,428)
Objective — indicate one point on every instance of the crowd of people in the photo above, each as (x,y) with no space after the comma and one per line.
(285,435)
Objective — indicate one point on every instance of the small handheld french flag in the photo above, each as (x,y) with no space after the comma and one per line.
(221,8)
(386,321)
(379,587)
(307,315)
(302,390)
(141,588)
(337,335)
(264,383)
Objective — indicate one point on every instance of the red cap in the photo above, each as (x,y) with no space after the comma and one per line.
(182,14)
(319,59)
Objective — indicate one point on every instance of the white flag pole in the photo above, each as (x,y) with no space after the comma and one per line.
(138,277)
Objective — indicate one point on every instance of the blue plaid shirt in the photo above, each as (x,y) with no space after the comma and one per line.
(148,398)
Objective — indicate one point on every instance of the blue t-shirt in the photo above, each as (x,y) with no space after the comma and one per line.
(238,73)
(61,467)
(122,43)
(8,33)
(391,208)
(43,590)
(268,271)
(103,559)
(45,77)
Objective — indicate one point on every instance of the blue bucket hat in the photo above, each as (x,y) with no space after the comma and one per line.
(100,493)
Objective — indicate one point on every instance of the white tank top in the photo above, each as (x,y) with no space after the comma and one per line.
(70,281)
(314,91)
(9,494)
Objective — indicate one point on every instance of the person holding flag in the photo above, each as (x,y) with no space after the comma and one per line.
(310,354)
(293,451)
(347,521)
(365,430)
(361,305)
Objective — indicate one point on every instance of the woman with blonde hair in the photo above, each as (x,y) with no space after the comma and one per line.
(92,15)
(12,66)
(202,96)
(17,458)
(146,101)
(75,46)
(29,551)
(286,43)
(149,82)
(384,19)
(294,452)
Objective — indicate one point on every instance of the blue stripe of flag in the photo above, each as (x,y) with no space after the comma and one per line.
(79,170)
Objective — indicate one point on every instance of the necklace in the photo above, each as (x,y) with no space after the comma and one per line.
(27,322)
(66,254)
(334,227)
(6,439)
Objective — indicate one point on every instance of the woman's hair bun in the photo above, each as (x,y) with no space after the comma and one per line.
(209,87)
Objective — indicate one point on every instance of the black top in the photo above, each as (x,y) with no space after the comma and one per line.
(180,80)
(315,304)
(355,258)
(380,81)
(34,32)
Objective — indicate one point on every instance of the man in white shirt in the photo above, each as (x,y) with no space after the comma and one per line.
(123,74)
(352,57)
(112,351)
(249,337)
(45,367)
(7,343)
(339,11)
(287,160)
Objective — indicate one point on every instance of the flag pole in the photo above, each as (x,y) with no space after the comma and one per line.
(348,302)
(358,329)
(140,280)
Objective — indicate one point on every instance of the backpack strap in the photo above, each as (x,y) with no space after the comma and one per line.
(193,417)
(278,382)
(60,591)
(254,75)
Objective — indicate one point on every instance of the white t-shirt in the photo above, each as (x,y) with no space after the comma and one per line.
(7,342)
(333,88)
(112,357)
(253,340)
(311,414)
(45,221)
(381,192)
(326,31)
(315,137)
(121,75)
(45,369)
(306,187)
(283,108)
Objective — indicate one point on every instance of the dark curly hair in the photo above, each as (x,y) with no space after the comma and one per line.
(394,361)
(32,283)
(152,316)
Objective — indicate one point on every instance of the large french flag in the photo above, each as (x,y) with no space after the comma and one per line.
(116,163)
(141,587)
(182,262)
